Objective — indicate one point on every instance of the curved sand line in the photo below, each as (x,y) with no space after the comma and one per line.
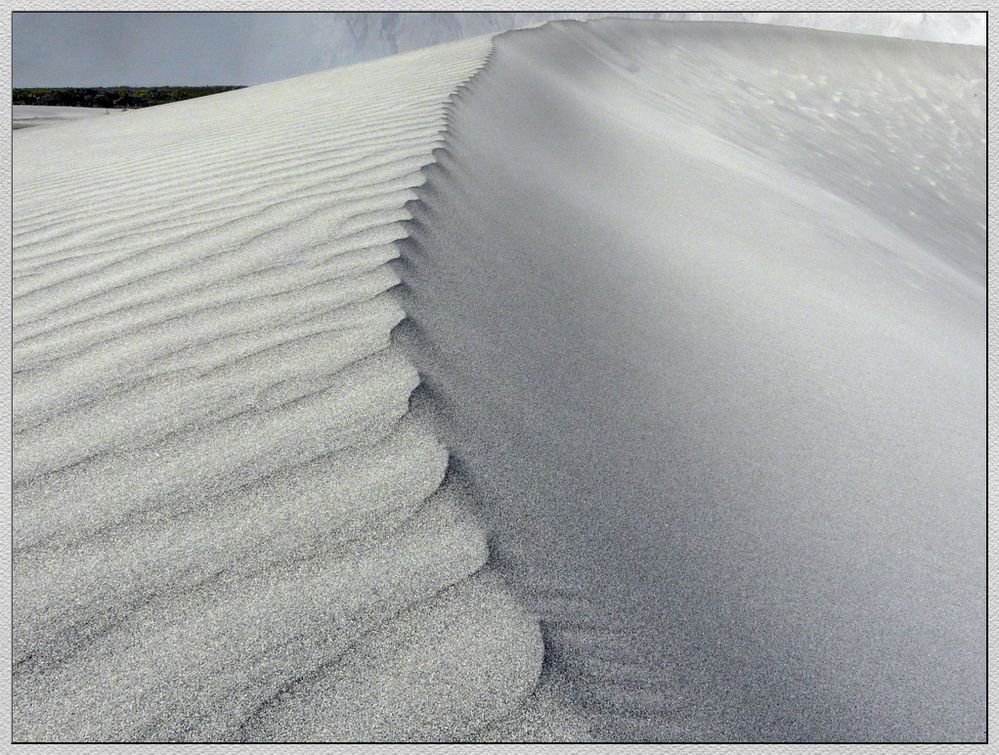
(704,308)
(232,520)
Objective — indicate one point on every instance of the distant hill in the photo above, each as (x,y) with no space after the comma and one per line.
(112,97)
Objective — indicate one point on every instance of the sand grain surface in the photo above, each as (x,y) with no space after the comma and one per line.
(228,522)
(705,304)
(620,379)
(30,116)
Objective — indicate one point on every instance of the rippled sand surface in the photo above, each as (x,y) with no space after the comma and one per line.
(619,380)
(228,521)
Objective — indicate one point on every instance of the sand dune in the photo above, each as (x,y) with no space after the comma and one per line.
(670,336)
(29,116)
(223,502)
(705,304)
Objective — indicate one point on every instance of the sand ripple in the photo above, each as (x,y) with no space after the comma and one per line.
(228,522)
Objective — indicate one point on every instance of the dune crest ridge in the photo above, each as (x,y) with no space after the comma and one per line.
(703,305)
(233,519)
(613,379)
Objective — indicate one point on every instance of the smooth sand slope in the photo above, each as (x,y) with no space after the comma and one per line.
(228,521)
(706,305)
(670,335)
(28,116)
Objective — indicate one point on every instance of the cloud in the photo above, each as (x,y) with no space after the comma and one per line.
(106,49)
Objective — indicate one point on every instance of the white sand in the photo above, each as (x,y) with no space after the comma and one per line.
(28,116)
(706,306)
(223,505)
(697,311)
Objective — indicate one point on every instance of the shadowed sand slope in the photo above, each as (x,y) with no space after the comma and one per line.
(230,520)
(677,330)
(705,304)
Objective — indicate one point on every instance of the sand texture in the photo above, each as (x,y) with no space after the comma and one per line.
(29,116)
(224,506)
(706,306)
(615,379)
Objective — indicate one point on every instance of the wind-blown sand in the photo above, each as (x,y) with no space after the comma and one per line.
(706,305)
(29,116)
(223,503)
(670,335)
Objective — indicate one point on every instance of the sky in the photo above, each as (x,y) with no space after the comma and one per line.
(151,49)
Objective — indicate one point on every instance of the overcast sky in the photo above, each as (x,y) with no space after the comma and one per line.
(106,49)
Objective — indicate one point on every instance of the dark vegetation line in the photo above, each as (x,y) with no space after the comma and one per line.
(112,97)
